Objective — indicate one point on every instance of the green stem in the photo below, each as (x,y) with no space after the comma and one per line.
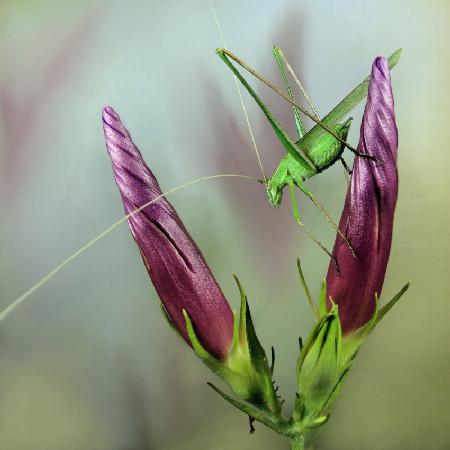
(297,442)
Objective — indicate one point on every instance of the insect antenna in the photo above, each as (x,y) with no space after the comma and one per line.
(18,301)
(244,109)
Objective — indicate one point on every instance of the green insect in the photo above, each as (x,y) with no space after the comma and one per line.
(315,150)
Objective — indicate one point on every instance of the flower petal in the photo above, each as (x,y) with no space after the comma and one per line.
(174,262)
(368,215)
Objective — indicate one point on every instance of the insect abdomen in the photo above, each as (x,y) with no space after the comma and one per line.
(327,149)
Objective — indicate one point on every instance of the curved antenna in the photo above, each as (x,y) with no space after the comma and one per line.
(219,29)
(18,301)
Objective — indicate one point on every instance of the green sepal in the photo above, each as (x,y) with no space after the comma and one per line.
(337,388)
(323,309)
(388,306)
(326,359)
(353,341)
(318,368)
(248,344)
(213,363)
(318,422)
(245,369)
(265,418)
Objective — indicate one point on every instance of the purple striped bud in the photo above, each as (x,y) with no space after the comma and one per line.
(368,215)
(174,262)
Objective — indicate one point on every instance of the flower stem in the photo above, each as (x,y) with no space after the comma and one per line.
(297,442)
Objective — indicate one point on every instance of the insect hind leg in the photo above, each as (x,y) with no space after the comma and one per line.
(297,81)
(281,61)
(366,156)
(344,164)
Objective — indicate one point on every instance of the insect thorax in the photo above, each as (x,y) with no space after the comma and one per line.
(289,170)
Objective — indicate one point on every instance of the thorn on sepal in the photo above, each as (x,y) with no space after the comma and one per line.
(356,339)
(272,365)
(251,420)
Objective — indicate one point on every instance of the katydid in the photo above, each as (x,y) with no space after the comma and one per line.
(315,150)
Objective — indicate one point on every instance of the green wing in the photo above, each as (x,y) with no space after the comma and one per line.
(296,152)
(346,105)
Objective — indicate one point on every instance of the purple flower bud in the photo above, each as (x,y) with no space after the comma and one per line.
(368,215)
(174,262)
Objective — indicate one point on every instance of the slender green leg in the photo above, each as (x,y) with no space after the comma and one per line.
(282,62)
(327,215)
(347,171)
(298,83)
(278,55)
(314,307)
(299,221)
(344,164)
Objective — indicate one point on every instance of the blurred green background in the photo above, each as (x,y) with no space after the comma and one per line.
(87,362)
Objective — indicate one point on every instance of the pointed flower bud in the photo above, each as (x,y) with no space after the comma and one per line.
(368,215)
(174,262)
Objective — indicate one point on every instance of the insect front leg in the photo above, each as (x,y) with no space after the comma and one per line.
(299,221)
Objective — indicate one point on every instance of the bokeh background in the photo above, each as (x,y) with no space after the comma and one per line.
(88,363)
